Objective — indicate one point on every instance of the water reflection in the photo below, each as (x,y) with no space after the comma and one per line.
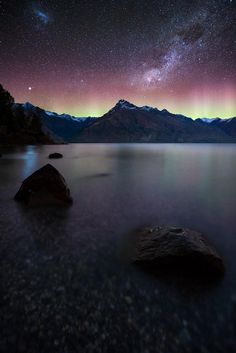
(30,160)
(65,267)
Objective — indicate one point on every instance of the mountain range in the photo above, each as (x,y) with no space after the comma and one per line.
(125,122)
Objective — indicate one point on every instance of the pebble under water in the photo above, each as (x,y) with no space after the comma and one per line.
(67,282)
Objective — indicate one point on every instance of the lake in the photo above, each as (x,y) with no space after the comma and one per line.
(67,282)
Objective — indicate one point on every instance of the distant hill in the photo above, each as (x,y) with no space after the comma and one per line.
(226,125)
(125,122)
(63,127)
(129,123)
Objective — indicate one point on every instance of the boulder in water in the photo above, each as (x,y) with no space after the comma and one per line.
(177,250)
(45,186)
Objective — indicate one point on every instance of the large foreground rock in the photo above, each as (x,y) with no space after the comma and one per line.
(177,250)
(45,186)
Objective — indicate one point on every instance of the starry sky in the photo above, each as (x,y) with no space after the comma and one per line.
(81,56)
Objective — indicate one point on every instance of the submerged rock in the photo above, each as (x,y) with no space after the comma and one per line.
(55,155)
(177,250)
(45,186)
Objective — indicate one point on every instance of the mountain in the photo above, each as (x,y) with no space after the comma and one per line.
(27,124)
(226,125)
(16,127)
(128,123)
(63,127)
(125,122)
(208,120)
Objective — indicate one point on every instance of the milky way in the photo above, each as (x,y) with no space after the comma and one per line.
(80,57)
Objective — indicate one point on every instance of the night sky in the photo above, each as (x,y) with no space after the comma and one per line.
(81,57)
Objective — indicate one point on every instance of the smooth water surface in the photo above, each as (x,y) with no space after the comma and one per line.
(67,283)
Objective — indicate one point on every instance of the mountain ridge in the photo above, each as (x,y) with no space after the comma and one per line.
(18,128)
(124,122)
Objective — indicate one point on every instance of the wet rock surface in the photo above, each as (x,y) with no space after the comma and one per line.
(177,250)
(66,294)
(55,155)
(45,186)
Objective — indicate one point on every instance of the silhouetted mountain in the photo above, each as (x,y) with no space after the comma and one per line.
(63,127)
(226,125)
(16,127)
(125,122)
(129,123)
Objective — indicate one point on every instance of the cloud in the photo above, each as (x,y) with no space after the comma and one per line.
(38,16)
(42,16)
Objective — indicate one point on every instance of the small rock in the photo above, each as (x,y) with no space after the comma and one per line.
(55,155)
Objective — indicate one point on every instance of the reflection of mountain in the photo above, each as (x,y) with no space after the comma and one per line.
(27,124)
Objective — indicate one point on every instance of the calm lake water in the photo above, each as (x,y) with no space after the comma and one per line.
(67,284)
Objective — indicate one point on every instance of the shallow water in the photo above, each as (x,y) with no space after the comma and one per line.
(67,284)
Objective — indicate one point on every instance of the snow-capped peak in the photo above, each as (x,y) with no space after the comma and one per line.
(49,113)
(148,108)
(28,106)
(209,120)
(165,111)
(123,104)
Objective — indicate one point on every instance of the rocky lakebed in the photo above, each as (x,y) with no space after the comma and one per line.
(114,248)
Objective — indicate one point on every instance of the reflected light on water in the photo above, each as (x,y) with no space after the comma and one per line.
(30,161)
